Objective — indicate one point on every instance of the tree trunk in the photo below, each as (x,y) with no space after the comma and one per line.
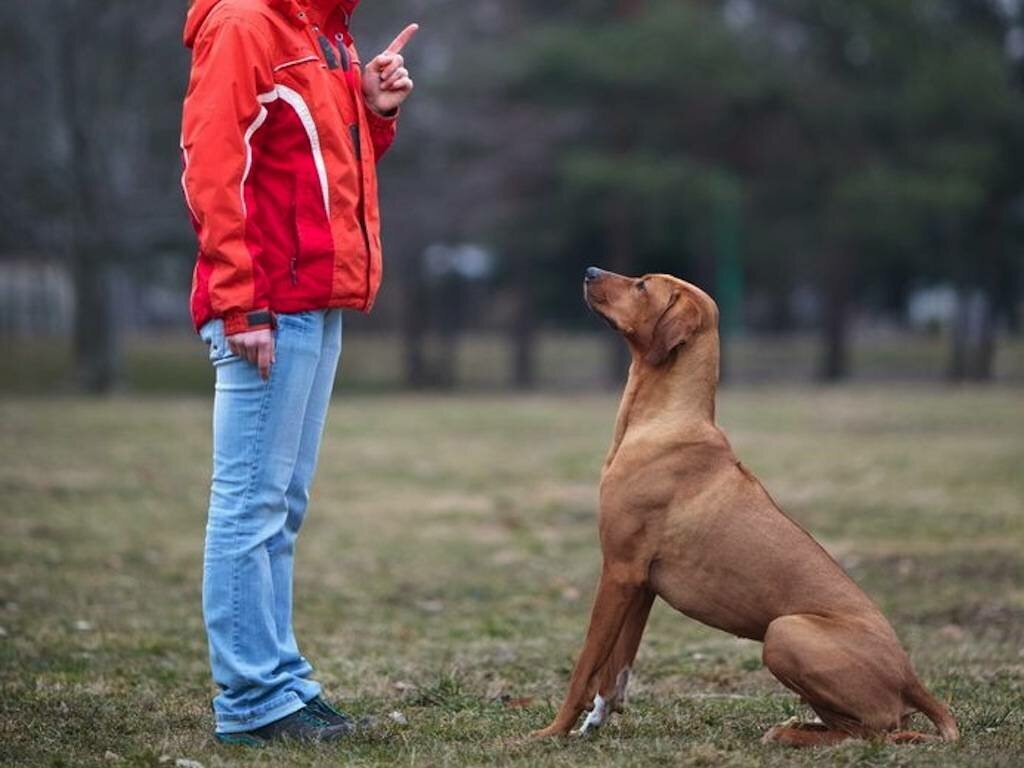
(620,259)
(834,364)
(973,339)
(523,329)
(95,342)
(978,294)
(445,365)
(1006,303)
(414,323)
(728,277)
(620,244)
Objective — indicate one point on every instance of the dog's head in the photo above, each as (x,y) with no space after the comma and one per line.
(657,314)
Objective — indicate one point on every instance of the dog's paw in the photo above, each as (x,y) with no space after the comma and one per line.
(596,717)
(772,734)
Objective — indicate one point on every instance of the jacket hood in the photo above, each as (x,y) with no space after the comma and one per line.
(200,9)
(197,13)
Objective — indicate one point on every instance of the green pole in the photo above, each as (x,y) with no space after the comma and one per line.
(728,266)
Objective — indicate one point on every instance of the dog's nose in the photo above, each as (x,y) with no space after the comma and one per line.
(592,273)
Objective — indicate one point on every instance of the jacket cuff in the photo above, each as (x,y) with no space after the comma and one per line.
(240,322)
(379,121)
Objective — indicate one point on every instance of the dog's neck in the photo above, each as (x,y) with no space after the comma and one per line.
(681,391)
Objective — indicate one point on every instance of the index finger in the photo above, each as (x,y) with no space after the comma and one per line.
(264,359)
(403,37)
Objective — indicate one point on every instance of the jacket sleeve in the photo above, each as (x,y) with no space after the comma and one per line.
(224,107)
(382,131)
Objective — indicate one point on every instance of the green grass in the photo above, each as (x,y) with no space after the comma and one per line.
(446,569)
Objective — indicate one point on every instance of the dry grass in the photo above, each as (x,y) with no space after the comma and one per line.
(446,569)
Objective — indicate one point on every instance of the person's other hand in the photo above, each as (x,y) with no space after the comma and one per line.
(256,347)
(386,81)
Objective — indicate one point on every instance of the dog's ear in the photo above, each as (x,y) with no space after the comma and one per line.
(676,326)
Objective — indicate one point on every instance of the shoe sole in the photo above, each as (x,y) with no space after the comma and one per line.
(239,740)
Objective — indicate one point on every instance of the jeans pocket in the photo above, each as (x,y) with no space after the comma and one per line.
(212,333)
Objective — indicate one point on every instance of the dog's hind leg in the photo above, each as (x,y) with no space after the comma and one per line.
(849,673)
(804,735)
(614,676)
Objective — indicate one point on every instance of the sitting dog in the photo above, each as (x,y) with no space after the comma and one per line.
(681,518)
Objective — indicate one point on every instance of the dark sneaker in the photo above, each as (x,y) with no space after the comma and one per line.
(304,725)
(247,739)
(322,708)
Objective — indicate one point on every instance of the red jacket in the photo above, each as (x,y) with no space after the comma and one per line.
(279,151)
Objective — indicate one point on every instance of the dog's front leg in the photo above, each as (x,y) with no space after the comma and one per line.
(614,675)
(616,594)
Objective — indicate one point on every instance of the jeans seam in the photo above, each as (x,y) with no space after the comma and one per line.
(246,498)
(287,509)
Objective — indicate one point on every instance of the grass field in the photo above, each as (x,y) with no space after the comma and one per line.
(446,570)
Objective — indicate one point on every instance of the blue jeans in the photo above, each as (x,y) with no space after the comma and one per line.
(266,437)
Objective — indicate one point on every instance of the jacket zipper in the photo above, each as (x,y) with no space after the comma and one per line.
(357,143)
(332,63)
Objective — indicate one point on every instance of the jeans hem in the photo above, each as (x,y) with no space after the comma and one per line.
(288,704)
(306,700)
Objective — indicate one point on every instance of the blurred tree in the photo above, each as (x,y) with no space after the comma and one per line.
(860,145)
(90,150)
(651,91)
(854,131)
(899,107)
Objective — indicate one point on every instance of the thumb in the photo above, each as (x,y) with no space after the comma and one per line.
(378,62)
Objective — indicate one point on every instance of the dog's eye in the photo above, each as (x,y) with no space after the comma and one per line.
(641,286)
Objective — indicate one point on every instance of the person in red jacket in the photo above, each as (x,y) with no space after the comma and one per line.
(282,128)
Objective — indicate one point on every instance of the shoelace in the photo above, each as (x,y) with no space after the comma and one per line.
(312,718)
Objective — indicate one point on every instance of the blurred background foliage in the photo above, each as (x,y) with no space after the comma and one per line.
(845,176)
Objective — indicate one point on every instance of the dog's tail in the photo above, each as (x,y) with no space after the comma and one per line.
(934,710)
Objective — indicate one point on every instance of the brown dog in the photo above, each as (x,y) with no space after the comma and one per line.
(683,519)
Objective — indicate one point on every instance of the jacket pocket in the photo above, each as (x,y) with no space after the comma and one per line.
(313,238)
(302,59)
